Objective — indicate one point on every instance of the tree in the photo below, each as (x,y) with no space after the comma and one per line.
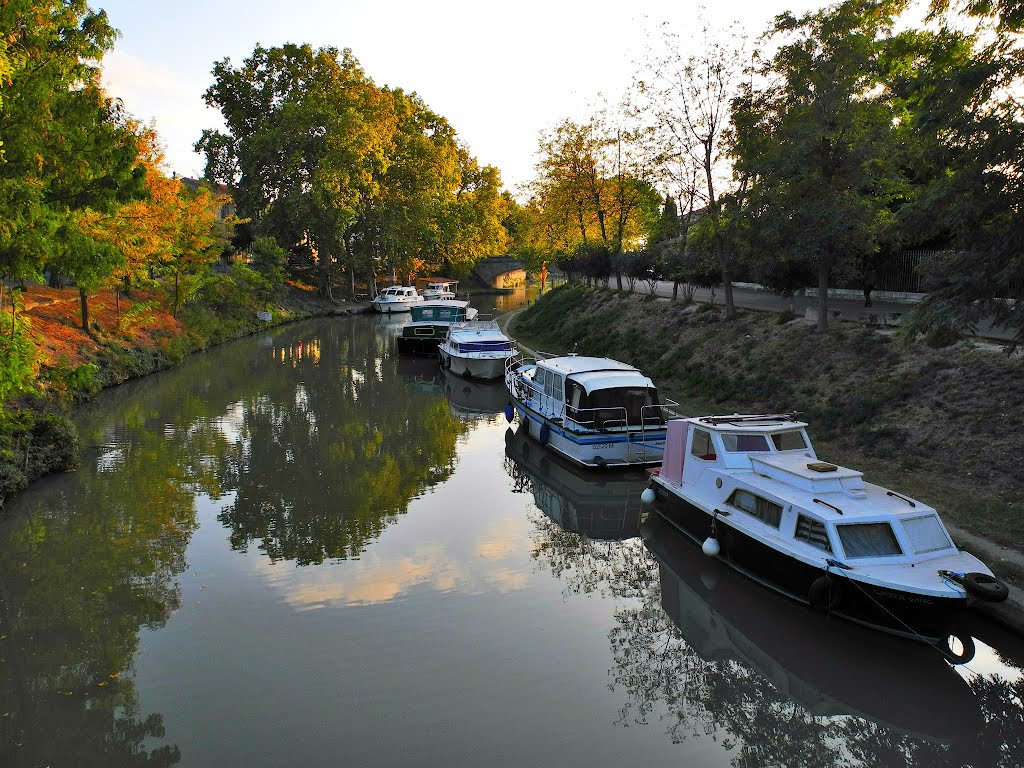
(67,147)
(308,138)
(813,142)
(689,98)
(970,137)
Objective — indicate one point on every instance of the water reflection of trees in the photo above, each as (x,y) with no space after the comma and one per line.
(334,450)
(761,712)
(85,562)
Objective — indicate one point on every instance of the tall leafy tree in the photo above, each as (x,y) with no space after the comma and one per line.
(67,147)
(813,140)
(971,139)
(307,139)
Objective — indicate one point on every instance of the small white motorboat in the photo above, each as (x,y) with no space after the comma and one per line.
(476,349)
(441,290)
(752,490)
(594,411)
(397,298)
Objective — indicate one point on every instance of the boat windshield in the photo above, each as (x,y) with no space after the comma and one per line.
(868,540)
(745,443)
(789,441)
(618,407)
(926,534)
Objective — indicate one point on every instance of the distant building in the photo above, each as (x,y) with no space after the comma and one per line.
(228,209)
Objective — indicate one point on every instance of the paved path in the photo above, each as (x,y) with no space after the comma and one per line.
(883,311)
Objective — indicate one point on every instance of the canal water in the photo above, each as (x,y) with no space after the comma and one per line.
(301,549)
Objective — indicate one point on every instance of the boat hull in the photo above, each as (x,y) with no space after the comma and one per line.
(599,450)
(419,345)
(391,307)
(923,617)
(485,369)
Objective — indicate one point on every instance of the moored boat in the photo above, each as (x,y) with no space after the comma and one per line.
(440,290)
(429,324)
(750,487)
(595,411)
(476,349)
(397,298)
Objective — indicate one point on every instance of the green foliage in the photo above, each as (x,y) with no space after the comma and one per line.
(36,438)
(17,359)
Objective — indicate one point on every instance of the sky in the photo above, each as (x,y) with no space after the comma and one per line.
(501,73)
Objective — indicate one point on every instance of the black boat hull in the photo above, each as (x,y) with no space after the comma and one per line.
(922,617)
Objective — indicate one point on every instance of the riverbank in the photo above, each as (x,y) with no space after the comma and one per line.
(942,423)
(131,336)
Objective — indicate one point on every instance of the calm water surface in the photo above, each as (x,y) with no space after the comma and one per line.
(300,549)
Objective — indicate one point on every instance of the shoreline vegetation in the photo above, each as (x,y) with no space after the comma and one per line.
(131,336)
(941,423)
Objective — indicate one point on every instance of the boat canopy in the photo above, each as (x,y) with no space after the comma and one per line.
(592,381)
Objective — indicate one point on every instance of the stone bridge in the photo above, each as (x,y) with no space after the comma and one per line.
(501,272)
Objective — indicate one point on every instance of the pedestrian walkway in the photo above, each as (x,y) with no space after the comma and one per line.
(882,312)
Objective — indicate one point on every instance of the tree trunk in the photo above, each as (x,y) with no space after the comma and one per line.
(823,270)
(85,310)
(174,309)
(675,290)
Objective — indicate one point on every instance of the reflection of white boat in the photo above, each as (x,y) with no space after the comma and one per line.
(440,290)
(604,506)
(397,298)
(476,349)
(594,411)
(429,325)
(812,530)
(828,667)
(473,399)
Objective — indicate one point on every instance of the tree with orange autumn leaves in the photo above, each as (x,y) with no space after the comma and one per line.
(173,232)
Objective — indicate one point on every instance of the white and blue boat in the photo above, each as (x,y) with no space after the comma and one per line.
(594,411)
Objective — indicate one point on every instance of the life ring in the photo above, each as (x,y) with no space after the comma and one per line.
(985,587)
(825,593)
(948,648)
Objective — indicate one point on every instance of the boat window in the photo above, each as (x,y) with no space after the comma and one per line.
(623,406)
(553,385)
(812,532)
(767,511)
(702,447)
(789,441)
(742,443)
(926,534)
(868,540)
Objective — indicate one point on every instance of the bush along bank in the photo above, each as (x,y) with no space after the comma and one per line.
(49,365)
(941,423)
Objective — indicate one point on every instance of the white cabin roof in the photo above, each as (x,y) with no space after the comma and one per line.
(445,303)
(570,365)
(595,373)
(477,330)
(739,422)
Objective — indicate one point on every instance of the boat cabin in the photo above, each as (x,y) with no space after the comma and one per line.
(440,312)
(398,292)
(477,336)
(596,393)
(763,467)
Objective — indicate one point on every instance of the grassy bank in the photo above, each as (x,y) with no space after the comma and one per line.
(130,336)
(941,423)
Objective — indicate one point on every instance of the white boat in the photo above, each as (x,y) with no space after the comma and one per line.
(751,488)
(594,411)
(397,298)
(441,290)
(429,325)
(476,349)
(474,400)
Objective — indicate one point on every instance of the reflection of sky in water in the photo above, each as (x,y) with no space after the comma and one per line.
(443,544)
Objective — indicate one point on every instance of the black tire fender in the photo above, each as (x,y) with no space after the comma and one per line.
(985,587)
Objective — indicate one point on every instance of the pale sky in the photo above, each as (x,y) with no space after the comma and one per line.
(500,73)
